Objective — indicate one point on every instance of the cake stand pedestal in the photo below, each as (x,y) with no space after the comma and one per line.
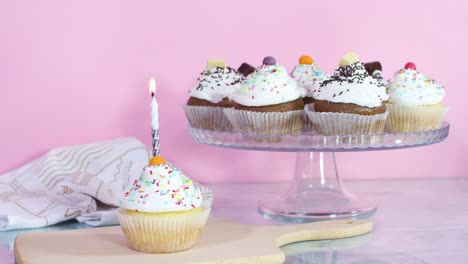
(316,191)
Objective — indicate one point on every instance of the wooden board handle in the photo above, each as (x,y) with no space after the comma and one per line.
(332,229)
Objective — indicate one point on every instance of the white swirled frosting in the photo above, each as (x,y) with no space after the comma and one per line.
(352,84)
(309,77)
(216,84)
(378,76)
(268,85)
(162,188)
(412,88)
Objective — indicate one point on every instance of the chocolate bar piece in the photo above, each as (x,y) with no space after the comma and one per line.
(371,67)
(245,69)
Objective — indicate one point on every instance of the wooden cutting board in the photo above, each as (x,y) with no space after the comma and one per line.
(223,241)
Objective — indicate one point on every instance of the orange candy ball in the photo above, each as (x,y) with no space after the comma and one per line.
(157,160)
(306,60)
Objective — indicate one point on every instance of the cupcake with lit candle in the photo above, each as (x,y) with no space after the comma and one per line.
(163,211)
(210,95)
(268,101)
(309,77)
(349,102)
(415,102)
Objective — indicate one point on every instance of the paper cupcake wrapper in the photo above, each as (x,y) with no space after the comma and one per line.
(414,118)
(307,125)
(265,123)
(346,124)
(207,117)
(157,233)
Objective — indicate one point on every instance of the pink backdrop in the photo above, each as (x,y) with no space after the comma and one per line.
(74,72)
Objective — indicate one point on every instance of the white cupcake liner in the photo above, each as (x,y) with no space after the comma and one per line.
(207,117)
(162,232)
(414,118)
(265,123)
(345,124)
(307,125)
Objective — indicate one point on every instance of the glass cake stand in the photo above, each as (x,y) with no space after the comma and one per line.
(316,191)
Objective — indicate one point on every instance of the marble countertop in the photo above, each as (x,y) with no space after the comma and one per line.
(417,221)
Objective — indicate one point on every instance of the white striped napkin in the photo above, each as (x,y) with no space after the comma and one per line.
(83,181)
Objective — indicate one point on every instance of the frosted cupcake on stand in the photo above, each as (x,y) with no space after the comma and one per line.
(415,102)
(309,77)
(209,96)
(350,102)
(268,102)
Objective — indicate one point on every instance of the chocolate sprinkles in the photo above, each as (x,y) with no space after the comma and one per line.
(215,77)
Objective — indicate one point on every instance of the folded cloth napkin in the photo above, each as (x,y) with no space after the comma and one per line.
(83,182)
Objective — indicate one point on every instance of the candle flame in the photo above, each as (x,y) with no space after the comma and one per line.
(152,86)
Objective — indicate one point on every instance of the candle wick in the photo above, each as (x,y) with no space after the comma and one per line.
(152,94)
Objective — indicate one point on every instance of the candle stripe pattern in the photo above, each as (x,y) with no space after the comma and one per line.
(156,147)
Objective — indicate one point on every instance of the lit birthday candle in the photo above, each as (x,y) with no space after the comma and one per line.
(154,117)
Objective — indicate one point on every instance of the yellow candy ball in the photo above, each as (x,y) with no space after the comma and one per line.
(157,160)
(305,60)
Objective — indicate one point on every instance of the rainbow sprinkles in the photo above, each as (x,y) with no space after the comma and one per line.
(162,188)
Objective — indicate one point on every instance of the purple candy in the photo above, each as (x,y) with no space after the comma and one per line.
(269,60)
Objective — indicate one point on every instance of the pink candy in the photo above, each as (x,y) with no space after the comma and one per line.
(410,65)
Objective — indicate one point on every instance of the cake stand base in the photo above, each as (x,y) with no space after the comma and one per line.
(316,193)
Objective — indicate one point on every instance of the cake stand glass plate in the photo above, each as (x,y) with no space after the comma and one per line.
(316,191)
